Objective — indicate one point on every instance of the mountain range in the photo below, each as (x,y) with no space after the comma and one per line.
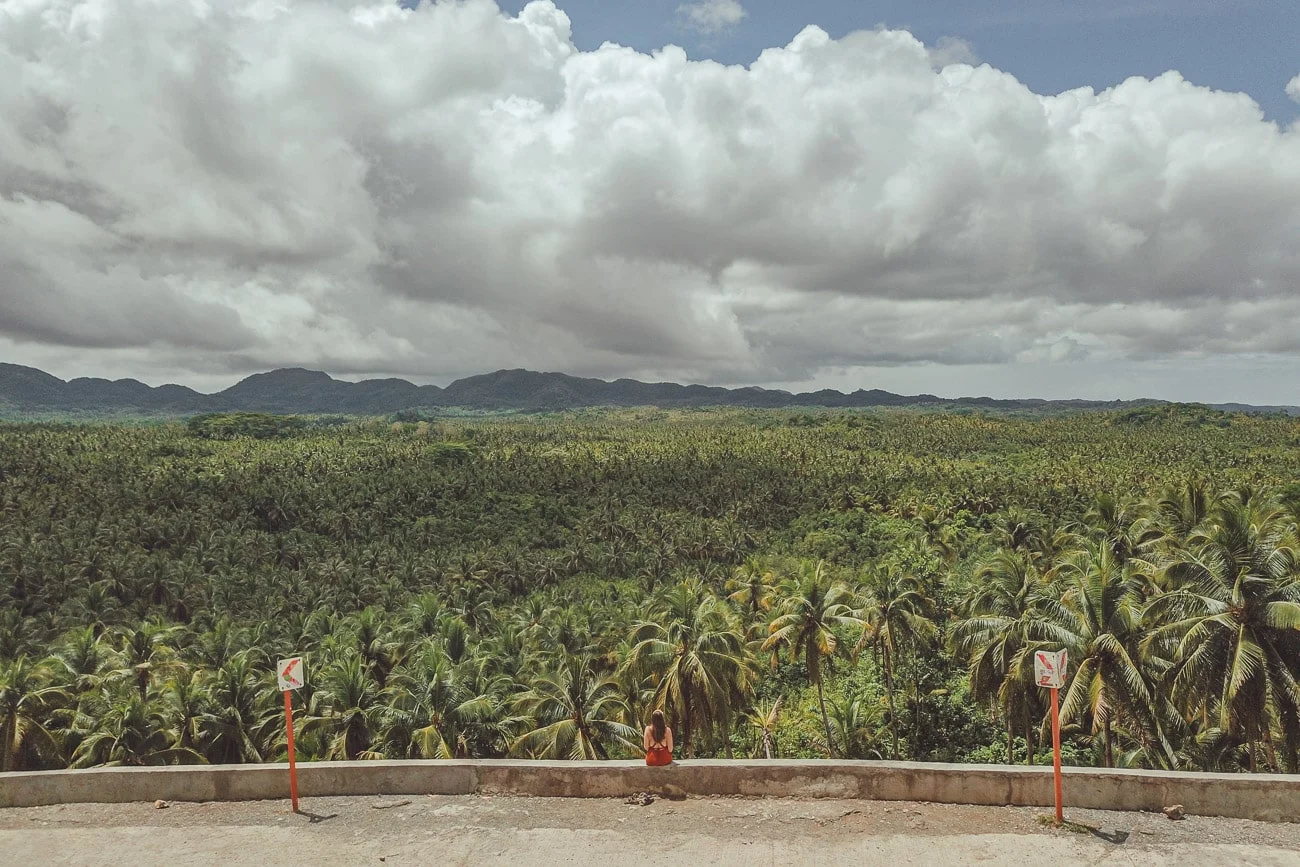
(297,390)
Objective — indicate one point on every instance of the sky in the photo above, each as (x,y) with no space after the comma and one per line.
(1012,199)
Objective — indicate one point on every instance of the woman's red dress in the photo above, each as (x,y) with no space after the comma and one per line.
(658,754)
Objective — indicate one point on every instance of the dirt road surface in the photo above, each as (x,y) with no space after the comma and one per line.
(454,830)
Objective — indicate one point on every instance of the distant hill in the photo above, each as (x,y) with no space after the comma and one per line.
(295,390)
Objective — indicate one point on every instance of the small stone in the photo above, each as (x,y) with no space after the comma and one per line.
(160,805)
(1175,812)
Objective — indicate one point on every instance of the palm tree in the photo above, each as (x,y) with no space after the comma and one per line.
(812,605)
(437,710)
(184,700)
(1018,529)
(764,718)
(999,630)
(577,714)
(1122,525)
(131,732)
(146,651)
(424,614)
(380,653)
(25,698)
(83,657)
(855,722)
(751,586)
(1233,617)
(240,713)
(1181,510)
(352,696)
(694,652)
(895,616)
(1098,619)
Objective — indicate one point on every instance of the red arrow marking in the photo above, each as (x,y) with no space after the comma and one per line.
(289,668)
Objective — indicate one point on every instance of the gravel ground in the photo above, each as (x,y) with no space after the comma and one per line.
(495,830)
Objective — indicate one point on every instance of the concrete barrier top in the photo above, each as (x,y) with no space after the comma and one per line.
(1267,797)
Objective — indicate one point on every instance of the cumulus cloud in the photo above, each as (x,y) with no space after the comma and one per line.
(447,189)
(1293,88)
(952,49)
(711,16)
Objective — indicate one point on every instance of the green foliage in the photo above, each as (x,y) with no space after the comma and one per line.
(781,583)
(256,425)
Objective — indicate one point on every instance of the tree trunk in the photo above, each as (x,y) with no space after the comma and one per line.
(826,723)
(1269,751)
(814,671)
(1107,760)
(1011,728)
(1250,755)
(686,723)
(1029,740)
(916,715)
(7,745)
(889,691)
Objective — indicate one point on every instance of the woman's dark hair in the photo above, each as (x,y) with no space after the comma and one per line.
(657,726)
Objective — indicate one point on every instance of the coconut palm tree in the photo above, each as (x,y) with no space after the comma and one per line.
(147,651)
(896,617)
(694,652)
(1121,524)
(1098,619)
(764,717)
(855,722)
(352,699)
(26,697)
(82,660)
(184,700)
(998,634)
(132,732)
(434,709)
(1233,617)
(811,606)
(1180,510)
(576,713)
(240,713)
(751,587)
(1019,529)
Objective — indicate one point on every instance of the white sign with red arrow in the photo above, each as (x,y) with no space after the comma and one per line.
(291,673)
(1049,668)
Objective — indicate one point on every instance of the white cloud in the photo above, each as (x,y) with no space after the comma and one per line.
(952,49)
(1293,88)
(450,189)
(711,16)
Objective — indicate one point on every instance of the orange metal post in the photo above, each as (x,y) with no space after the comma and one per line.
(1056,753)
(293,768)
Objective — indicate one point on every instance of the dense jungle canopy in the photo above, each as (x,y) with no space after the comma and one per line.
(859,584)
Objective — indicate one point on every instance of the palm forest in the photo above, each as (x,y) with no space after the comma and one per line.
(867,585)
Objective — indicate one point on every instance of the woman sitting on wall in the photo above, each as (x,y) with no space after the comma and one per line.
(658,741)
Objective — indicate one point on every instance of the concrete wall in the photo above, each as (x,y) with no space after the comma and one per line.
(1248,796)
